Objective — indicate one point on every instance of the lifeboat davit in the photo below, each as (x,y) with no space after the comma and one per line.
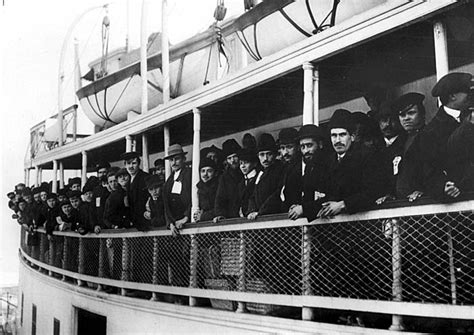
(268,27)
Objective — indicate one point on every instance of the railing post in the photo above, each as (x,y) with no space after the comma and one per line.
(397,290)
(82,256)
(452,271)
(307,313)
(242,306)
(125,263)
(154,278)
(52,254)
(43,240)
(101,272)
(66,248)
(193,267)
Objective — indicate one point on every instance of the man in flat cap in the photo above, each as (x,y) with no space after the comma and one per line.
(137,194)
(177,190)
(355,178)
(227,200)
(313,177)
(207,189)
(266,195)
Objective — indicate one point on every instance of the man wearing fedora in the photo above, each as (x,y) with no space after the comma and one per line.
(227,199)
(266,195)
(312,175)
(137,193)
(177,190)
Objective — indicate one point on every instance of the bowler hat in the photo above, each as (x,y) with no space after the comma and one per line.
(310,131)
(453,82)
(153,181)
(406,101)
(206,162)
(248,155)
(288,136)
(130,155)
(266,142)
(342,118)
(230,147)
(175,150)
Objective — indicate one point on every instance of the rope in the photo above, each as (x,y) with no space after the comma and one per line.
(310,12)
(293,23)
(207,67)
(244,42)
(255,40)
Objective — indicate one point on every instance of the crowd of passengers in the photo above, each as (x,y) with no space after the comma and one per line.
(359,161)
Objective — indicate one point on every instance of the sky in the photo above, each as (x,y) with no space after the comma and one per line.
(31,38)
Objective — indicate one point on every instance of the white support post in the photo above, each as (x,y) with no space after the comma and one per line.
(316,96)
(84,169)
(128,143)
(37,176)
(308,103)
(143,57)
(40,175)
(196,161)
(145,160)
(441,49)
(54,187)
(27,177)
(165,57)
(166,141)
(61,174)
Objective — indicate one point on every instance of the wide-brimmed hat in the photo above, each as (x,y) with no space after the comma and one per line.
(310,131)
(175,150)
(248,155)
(342,118)
(453,82)
(266,142)
(230,147)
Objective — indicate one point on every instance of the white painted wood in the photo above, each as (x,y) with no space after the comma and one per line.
(165,52)
(143,57)
(61,174)
(84,169)
(441,49)
(145,156)
(196,161)
(54,187)
(308,102)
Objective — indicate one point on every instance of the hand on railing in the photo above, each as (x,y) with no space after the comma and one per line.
(295,212)
(415,195)
(451,190)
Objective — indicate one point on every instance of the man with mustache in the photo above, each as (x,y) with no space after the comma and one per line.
(265,198)
(314,177)
(292,188)
(355,177)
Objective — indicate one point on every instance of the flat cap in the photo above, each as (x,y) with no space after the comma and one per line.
(266,142)
(248,155)
(230,147)
(310,131)
(130,155)
(121,172)
(102,165)
(453,82)
(175,150)
(406,101)
(52,196)
(342,118)
(153,181)
(206,162)
(288,136)
(73,194)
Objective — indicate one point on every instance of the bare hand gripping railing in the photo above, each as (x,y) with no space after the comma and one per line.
(422,255)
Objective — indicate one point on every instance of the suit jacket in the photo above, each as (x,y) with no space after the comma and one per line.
(292,185)
(357,179)
(116,213)
(138,196)
(227,199)
(245,189)
(392,156)
(207,198)
(101,194)
(266,195)
(177,206)
(315,185)
(157,209)
(461,157)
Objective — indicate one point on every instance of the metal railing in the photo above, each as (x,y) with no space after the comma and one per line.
(401,261)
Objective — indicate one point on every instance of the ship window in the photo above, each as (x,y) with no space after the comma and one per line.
(56,326)
(90,323)
(33,320)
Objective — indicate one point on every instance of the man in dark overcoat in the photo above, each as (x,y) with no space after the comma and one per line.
(207,189)
(137,193)
(266,195)
(100,195)
(227,199)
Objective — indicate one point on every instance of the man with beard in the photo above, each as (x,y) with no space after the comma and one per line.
(355,179)
(291,191)
(207,188)
(227,199)
(100,195)
(265,198)
(137,193)
(314,166)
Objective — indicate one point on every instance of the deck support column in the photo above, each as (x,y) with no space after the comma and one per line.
(441,49)
(145,159)
(397,290)
(316,95)
(308,99)
(54,186)
(166,141)
(128,143)
(40,175)
(165,57)
(27,177)
(37,177)
(84,169)
(61,174)
(143,57)
(196,161)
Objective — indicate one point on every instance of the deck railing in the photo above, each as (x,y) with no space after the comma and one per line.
(415,260)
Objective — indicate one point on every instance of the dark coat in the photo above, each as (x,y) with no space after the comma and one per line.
(101,194)
(87,216)
(51,214)
(266,196)
(116,212)
(392,156)
(73,219)
(138,196)
(315,185)
(157,209)
(357,180)
(461,157)
(245,189)
(227,199)
(177,206)
(292,188)
(207,198)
